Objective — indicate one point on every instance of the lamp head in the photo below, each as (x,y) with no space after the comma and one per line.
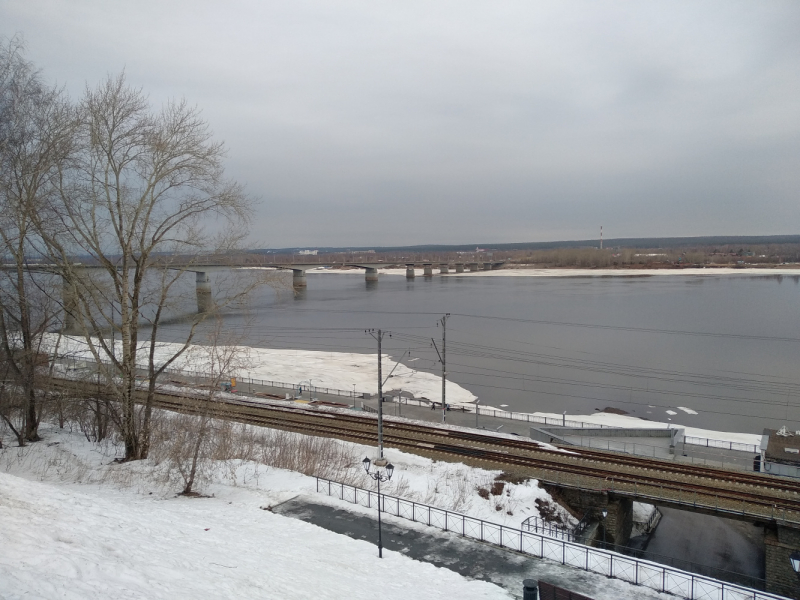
(366,463)
(794,557)
(604,513)
(389,470)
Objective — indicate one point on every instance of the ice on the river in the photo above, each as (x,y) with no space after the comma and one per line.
(335,370)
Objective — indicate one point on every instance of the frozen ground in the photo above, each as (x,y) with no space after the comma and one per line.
(77,525)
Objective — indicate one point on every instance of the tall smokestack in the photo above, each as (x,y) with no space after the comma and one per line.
(601,237)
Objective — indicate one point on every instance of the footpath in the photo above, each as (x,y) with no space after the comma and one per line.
(472,559)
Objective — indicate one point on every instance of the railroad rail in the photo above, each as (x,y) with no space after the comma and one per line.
(737,494)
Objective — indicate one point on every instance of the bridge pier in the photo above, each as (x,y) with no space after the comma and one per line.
(459,267)
(299,278)
(371,274)
(618,523)
(779,544)
(487,266)
(203,289)
(410,274)
(427,270)
(444,268)
(473,267)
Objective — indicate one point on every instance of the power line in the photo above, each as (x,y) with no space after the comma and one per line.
(739,336)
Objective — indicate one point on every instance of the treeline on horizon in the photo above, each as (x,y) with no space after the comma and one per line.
(700,242)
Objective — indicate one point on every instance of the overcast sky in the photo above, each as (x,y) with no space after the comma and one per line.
(394,123)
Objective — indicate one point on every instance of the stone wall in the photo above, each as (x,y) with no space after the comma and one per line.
(781,578)
(619,521)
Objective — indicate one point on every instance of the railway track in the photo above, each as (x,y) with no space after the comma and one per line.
(748,495)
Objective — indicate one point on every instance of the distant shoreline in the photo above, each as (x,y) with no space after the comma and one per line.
(573,272)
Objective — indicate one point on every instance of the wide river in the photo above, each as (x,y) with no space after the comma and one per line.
(658,347)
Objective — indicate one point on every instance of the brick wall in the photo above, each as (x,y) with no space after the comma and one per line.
(781,578)
(619,521)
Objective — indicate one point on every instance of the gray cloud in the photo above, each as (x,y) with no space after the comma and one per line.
(366,123)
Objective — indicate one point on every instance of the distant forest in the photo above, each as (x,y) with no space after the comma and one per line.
(738,251)
(640,243)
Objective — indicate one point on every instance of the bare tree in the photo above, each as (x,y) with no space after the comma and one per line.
(143,201)
(36,128)
(220,358)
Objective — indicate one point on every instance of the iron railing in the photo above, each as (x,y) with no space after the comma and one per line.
(564,422)
(709,443)
(605,562)
(537,525)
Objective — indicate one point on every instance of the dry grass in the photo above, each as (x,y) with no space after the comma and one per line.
(230,444)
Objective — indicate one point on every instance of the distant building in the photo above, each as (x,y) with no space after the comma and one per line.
(308,252)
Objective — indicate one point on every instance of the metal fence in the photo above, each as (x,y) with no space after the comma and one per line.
(605,562)
(537,525)
(564,422)
(709,443)
(200,376)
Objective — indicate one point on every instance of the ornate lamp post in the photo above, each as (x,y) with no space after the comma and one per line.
(379,476)
(605,514)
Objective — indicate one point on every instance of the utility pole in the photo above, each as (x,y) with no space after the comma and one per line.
(443,359)
(381,461)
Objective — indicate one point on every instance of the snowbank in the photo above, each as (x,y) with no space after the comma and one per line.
(64,543)
(628,272)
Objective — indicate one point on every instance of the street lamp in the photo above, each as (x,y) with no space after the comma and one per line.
(604,512)
(379,476)
(794,558)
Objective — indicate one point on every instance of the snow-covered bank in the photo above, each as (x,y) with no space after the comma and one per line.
(101,543)
(525,272)
(336,370)
(75,524)
(710,272)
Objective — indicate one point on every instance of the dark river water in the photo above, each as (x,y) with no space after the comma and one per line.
(723,346)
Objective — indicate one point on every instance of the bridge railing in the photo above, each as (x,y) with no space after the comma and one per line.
(722,444)
(605,562)
(564,422)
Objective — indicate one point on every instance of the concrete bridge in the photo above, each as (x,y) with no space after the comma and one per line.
(203,282)
(371,269)
(70,302)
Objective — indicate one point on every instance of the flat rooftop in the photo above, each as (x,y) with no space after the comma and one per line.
(783,449)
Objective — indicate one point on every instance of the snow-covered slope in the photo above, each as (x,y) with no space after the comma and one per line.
(58,542)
